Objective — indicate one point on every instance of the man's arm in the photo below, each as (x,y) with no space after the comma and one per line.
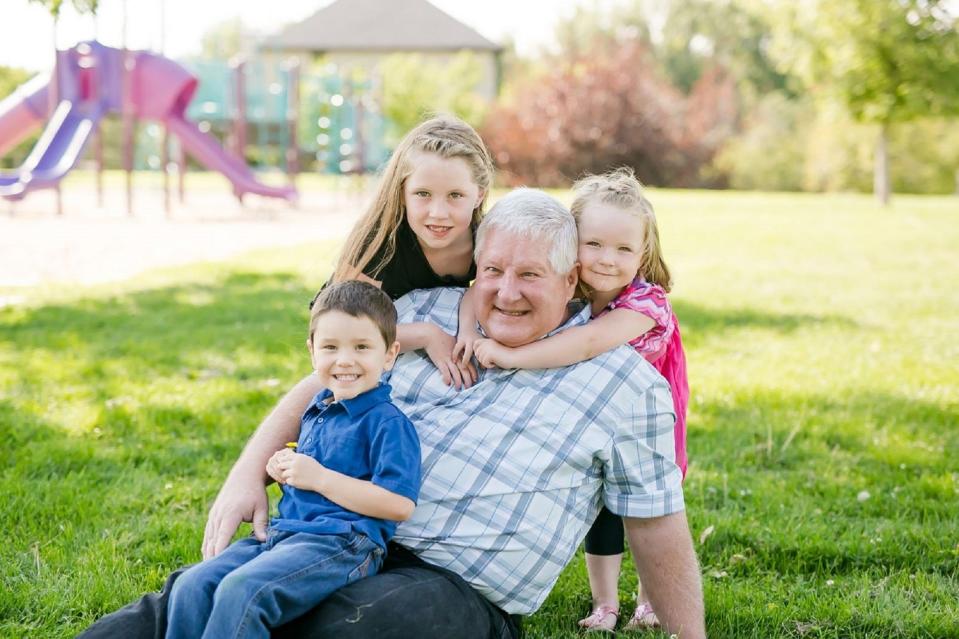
(243,495)
(663,552)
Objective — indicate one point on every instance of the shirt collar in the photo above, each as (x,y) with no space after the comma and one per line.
(356,406)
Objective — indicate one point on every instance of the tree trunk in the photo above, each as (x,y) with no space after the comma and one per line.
(881,174)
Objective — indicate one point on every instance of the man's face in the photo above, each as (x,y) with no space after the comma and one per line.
(519,298)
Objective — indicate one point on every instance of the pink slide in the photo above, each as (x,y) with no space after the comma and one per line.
(90,87)
(22,112)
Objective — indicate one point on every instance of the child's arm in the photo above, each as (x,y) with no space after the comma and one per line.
(439,348)
(573,345)
(467,334)
(358,495)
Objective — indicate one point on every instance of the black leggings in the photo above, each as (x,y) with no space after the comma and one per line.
(606,535)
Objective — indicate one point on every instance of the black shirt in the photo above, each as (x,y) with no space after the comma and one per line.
(409,269)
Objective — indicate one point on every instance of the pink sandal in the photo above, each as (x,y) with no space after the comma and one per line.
(598,619)
(643,618)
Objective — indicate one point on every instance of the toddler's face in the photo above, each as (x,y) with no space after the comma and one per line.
(349,353)
(440,196)
(610,246)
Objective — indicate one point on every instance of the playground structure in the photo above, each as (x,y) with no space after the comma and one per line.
(91,81)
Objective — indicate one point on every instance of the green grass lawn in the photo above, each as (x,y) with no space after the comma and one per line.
(822,335)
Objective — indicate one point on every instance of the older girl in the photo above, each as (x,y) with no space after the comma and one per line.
(418,230)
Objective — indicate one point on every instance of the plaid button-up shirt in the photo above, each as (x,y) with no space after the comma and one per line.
(515,468)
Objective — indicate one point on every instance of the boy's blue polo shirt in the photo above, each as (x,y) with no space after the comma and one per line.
(365,437)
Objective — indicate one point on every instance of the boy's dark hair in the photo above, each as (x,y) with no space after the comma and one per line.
(358,299)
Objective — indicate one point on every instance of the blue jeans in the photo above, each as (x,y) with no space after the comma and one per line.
(408,599)
(252,587)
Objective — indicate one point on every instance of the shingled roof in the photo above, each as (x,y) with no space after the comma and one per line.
(379,25)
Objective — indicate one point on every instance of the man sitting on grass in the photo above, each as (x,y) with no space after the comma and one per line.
(515,468)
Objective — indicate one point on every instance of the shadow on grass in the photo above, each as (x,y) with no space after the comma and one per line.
(699,321)
(777,474)
(166,328)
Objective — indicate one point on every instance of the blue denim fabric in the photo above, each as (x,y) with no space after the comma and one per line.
(252,587)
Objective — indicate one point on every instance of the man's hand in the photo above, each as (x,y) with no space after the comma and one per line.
(299,470)
(439,348)
(490,353)
(239,500)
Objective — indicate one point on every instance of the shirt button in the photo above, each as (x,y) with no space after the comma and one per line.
(319,421)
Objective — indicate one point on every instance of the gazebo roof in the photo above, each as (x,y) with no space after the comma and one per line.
(379,25)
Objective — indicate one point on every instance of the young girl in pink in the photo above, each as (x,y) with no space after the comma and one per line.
(623,275)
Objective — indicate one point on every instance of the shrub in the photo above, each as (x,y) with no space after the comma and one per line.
(608,107)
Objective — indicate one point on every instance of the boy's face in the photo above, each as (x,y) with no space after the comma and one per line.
(349,353)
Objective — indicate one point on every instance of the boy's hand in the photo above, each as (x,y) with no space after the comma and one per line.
(489,353)
(299,470)
(273,468)
(440,351)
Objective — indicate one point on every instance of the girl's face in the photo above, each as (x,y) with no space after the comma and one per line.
(610,246)
(440,196)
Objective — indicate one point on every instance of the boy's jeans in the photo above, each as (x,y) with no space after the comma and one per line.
(251,587)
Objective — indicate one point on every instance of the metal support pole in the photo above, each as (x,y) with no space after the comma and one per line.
(292,118)
(127,110)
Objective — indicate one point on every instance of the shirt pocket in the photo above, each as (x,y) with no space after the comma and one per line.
(345,453)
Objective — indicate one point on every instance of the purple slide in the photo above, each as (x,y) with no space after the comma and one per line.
(91,87)
(55,153)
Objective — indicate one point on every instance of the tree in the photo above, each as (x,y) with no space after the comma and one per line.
(606,108)
(415,86)
(697,34)
(81,6)
(225,40)
(885,61)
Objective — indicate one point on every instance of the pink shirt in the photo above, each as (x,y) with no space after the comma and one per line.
(661,346)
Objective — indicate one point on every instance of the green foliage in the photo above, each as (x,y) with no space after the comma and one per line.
(414,86)
(609,108)
(81,6)
(697,34)
(885,60)
(686,38)
(771,151)
(10,79)
(797,145)
(822,435)
(925,156)
(224,40)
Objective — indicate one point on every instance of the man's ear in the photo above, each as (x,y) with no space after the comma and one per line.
(391,354)
(571,280)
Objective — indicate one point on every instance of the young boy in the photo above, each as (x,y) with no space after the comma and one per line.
(354,474)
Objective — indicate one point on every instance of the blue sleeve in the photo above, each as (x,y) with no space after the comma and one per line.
(395,457)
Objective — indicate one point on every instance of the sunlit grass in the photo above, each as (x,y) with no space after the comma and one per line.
(822,334)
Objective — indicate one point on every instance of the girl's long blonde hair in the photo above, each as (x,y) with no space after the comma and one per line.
(447,137)
(621,189)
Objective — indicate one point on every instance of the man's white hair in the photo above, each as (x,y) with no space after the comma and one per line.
(533,214)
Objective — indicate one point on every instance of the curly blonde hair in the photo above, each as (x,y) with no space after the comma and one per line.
(621,189)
